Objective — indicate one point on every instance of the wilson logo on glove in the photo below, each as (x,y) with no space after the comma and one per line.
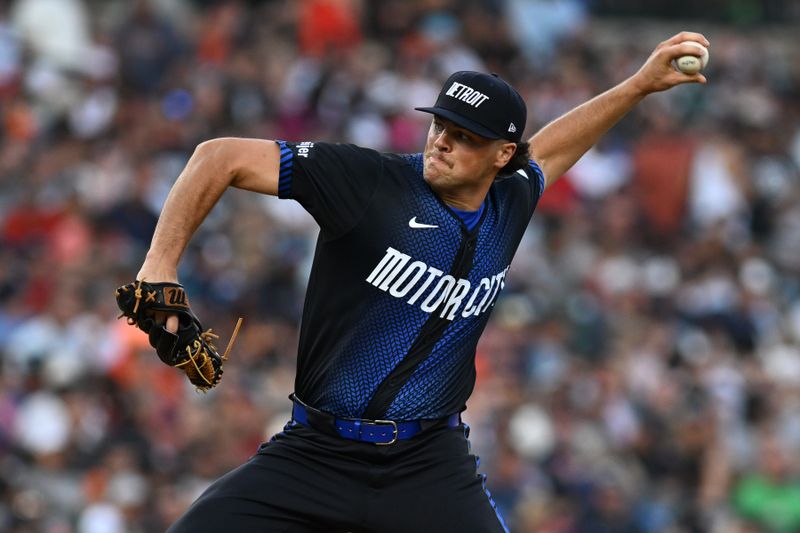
(147,306)
(176,296)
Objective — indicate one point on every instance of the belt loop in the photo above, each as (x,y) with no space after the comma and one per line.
(357,429)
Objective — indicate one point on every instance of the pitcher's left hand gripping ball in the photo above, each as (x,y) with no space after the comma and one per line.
(146,305)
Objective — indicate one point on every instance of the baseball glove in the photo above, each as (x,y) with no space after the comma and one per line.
(146,306)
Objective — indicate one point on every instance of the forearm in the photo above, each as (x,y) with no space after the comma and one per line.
(198,188)
(558,145)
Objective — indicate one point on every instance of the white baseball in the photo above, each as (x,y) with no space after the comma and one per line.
(693,64)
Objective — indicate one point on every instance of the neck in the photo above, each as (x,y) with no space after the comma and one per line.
(466,197)
(456,203)
(462,198)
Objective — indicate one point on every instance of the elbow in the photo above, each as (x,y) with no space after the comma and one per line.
(217,155)
(212,150)
(251,164)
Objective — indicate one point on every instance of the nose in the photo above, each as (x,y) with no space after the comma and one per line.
(442,142)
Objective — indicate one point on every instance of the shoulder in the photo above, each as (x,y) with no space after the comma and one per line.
(519,177)
(413,161)
(314,149)
(528,181)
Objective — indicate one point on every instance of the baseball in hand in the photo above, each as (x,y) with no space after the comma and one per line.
(693,64)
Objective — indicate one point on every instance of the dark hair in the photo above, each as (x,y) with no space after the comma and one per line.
(519,160)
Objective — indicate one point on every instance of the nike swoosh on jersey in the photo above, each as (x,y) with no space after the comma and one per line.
(419,225)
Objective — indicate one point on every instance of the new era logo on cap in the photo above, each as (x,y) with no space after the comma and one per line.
(482,103)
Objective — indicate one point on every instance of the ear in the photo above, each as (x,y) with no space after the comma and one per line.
(505,151)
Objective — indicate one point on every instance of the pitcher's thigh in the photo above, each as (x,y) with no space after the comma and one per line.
(268,493)
(448,494)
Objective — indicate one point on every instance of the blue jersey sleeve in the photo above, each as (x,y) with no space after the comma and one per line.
(536,176)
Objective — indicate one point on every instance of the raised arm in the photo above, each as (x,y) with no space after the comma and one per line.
(215,165)
(558,145)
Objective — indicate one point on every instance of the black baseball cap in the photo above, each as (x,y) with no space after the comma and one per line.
(484,104)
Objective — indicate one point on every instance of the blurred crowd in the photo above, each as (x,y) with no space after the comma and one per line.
(641,372)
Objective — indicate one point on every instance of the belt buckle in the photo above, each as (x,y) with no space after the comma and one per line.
(395,433)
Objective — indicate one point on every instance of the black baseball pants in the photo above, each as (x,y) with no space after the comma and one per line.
(306,481)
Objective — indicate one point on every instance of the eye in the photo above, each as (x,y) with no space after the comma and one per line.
(464,137)
(437,126)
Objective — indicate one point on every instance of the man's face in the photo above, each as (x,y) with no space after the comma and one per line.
(456,157)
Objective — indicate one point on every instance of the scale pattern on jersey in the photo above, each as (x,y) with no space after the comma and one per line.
(377,344)
(434,386)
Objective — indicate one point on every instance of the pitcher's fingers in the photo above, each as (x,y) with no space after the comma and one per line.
(172,323)
(690,78)
(160,317)
(687,36)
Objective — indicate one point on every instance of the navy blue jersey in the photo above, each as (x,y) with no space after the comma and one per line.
(400,290)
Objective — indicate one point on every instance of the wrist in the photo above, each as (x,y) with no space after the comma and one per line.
(634,88)
(158,269)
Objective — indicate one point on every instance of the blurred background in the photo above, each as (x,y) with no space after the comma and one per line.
(641,372)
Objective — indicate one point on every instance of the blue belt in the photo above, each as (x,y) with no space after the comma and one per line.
(379,432)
